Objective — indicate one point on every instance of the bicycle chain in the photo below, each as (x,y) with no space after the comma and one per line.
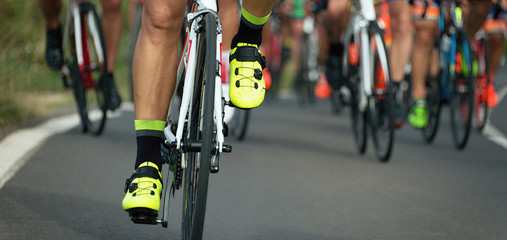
(178,171)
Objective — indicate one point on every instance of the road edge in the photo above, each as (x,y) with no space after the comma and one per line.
(17,147)
(490,131)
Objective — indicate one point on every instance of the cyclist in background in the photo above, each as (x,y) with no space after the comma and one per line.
(297,19)
(334,19)
(492,18)
(416,46)
(154,72)
(111,24)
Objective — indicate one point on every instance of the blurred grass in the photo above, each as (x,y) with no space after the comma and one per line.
(28,88)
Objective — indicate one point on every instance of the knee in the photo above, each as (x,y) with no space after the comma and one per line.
(337,8)
(162,19)
(111,6)
(401,23)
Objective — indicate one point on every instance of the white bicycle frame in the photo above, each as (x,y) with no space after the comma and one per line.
(74,17)
(363,12)
(187,65)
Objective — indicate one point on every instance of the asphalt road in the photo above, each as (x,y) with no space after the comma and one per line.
(296,176)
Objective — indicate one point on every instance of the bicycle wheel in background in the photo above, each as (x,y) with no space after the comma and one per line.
(240,123)
(357,117)
(381,103)
(433,81)
(200,130)
(482,81)
(434,108)
(462,91)
(301,82)
(87,79)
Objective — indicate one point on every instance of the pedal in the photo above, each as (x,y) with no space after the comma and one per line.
(227,148)
(230,104)
(214,165)
(143,216)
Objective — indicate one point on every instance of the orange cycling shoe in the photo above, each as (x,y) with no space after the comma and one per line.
(492,97)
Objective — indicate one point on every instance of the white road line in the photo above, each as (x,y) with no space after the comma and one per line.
(16,148)
(490,131)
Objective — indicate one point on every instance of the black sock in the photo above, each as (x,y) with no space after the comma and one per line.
(148,149)
(247,33)
(396,86)
(336,49)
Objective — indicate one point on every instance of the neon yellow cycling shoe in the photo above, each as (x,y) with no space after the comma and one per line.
(142,199)
(247,86)
(419,115)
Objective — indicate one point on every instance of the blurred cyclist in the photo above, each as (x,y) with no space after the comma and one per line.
(491,17)
(111,24)
(422,17)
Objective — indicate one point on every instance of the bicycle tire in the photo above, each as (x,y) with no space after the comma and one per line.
(241,119)
(380,112)
(78,92)
(462,90)
(357,117)
(200,128)
(304,86)
(429,132)
(88,84)
(483,79)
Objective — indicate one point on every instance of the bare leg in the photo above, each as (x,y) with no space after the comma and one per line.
(155,58)
(258,8)
(51,10)
(425,37)
(401,47)
(297,40)
(111,24)
(229,15)
(336,18)
(495,51)
(474,15)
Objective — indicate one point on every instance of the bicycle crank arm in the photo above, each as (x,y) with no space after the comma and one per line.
(167,199)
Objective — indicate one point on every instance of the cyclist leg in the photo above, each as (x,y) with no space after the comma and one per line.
(154,73)
(426,29)
(111,25)
(247,86)
(474,15)
(229,16)
(298,15)
(335,19)
(401,48)
(54,54)
(495,26)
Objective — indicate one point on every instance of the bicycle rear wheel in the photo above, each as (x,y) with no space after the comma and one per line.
(200,130)
(87,78)
(482,81)
(381,102)
(462,92)
(357,117)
